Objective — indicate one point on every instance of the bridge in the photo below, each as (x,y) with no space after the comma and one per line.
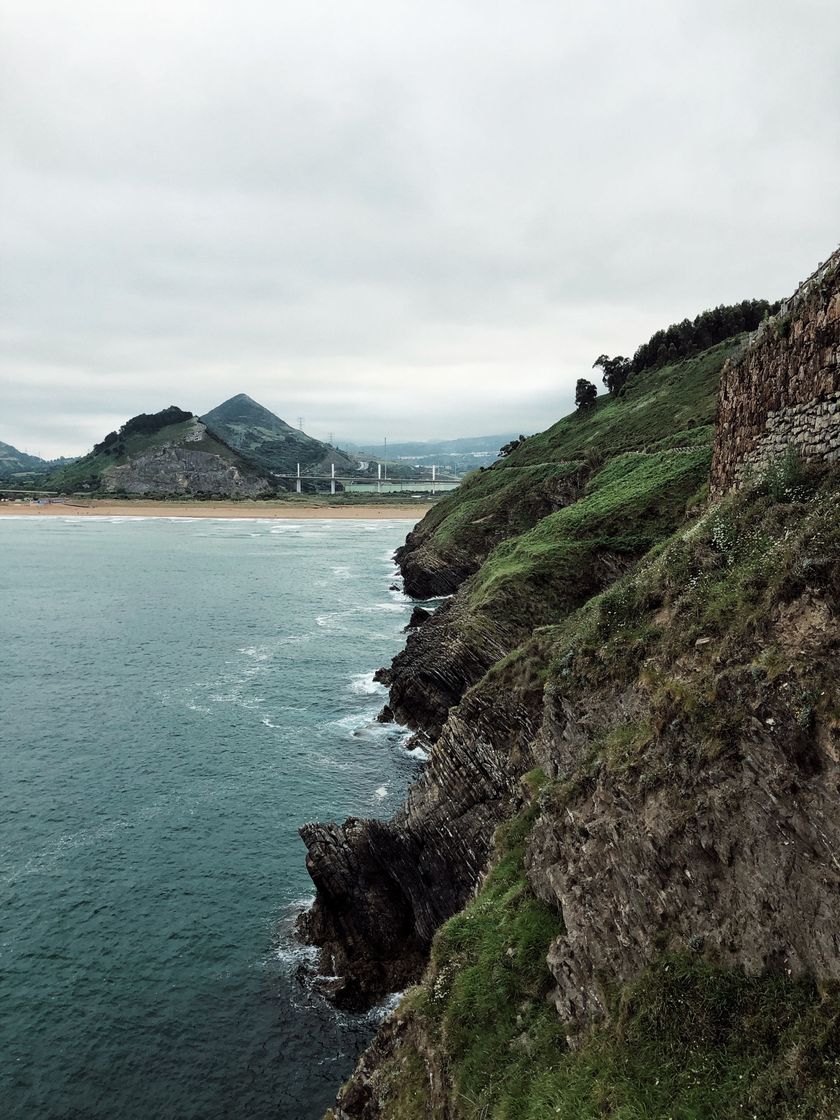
(358,483)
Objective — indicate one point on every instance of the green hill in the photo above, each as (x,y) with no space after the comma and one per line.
(659,410)
(14,462)
(164,454)
(270,442)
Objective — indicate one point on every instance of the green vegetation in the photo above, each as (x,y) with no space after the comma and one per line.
(634,501)
(144,424)
(471,515)
(269,442)
(689,1040)
(707,628)
(664,409)
(683,340)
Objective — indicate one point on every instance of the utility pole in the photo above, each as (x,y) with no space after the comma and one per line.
(385,457)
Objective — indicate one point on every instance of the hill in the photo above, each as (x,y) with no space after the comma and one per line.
(271,443)
(13,461)
(615,886)
(163,454)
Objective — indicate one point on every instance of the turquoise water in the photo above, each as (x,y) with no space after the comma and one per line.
(177,697)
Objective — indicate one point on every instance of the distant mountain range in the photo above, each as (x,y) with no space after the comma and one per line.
(13,461)
(468,445)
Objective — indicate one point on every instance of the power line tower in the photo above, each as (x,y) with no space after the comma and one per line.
(300,423)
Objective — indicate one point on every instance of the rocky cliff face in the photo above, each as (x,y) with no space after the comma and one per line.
(667,732)
(384,887)
(193,464)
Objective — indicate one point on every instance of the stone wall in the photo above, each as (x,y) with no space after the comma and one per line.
(784,389)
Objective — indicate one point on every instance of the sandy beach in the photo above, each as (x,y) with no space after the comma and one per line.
(269,510)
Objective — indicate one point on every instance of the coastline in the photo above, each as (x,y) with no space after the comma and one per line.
(305,511)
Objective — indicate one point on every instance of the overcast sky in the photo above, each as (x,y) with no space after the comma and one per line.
(414,219)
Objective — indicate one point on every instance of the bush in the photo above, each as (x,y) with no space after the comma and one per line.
(784,478)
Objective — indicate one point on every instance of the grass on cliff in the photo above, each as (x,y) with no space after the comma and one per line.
(688,1041)
(630,504)
(665,408)
(726,608)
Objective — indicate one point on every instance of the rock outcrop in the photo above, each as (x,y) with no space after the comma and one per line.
(181,467)
(384,887)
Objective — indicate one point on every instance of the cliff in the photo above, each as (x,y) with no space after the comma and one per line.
(620,867)
(179,458)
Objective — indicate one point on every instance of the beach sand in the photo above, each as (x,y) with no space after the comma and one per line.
(271,510)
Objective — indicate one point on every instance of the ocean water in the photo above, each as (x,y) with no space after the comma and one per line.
(176,698)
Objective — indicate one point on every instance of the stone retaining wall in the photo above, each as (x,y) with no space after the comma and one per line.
(783,391)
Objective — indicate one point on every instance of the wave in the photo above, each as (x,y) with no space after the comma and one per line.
(363,684)
(357,722)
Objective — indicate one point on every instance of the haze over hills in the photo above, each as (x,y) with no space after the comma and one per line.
(14,462)
(455,456)
(270,442)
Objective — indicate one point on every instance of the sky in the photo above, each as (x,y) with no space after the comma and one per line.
(403,220)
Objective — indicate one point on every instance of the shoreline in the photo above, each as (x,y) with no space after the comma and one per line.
(306,511)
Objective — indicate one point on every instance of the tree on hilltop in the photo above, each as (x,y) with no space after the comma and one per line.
(615,371)
(585,393)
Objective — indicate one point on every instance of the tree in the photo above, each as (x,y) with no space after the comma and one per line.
(585,393)
(512,446)
(615,371)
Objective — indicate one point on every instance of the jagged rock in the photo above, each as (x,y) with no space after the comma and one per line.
(386,715)
(418,616)
(384,887)
(179,469)
(361,920)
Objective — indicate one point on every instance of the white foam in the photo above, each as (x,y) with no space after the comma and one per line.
(357,720)
(418,753)
(381,792)
(363,684)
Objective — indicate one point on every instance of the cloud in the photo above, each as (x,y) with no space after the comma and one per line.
(390,218)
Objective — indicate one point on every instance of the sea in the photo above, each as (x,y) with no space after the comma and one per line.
(178,696)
